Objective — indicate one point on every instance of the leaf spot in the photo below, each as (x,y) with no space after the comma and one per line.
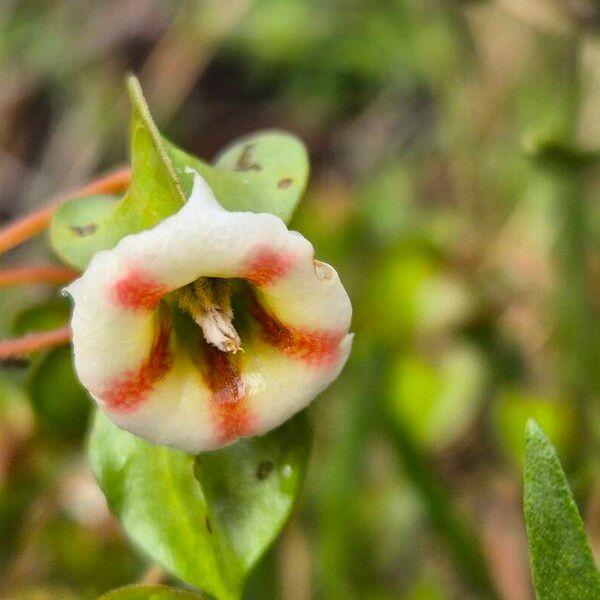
(244,162)
(264,468)
(285,183)
(84,230)
(208,525)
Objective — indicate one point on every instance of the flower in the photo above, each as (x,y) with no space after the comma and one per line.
(199,386)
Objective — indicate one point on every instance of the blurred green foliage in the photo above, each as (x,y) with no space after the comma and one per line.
(472,263)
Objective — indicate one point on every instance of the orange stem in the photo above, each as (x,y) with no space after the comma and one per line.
(33,342)
(47,274)
(25,228)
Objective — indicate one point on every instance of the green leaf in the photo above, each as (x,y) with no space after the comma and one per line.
(61,404)
(263,172)
(208,519)
(561,559)
(150,592)
(78,228)
(42,317)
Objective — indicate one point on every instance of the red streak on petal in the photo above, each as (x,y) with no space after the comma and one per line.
(129,390)
(228,408)
(266,266)
(137,291)
(316,348)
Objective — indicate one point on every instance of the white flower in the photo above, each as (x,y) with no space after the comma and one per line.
(198,387)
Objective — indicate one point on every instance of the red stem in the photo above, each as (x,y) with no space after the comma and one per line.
(33,342)
(47,274)
(23,229)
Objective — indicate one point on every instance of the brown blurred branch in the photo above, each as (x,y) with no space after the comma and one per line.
(182,54)
(33,342)
(27,227)
(546,16)
(505,543)
(46,274)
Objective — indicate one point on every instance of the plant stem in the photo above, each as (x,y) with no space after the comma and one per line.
(341,478)
(27,227)
(578,327)
(34,342)
(46,274)
(461,540)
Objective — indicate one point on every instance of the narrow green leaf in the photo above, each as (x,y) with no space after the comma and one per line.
(263,172)
(207,520)
(150,592)
(561,559)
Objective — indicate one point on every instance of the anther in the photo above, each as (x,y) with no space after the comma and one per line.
(208,300)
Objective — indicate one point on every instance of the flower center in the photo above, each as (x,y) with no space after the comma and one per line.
(208,301)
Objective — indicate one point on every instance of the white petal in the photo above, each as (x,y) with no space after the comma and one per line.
(151,387)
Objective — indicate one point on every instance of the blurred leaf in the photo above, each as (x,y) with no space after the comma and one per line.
(42,317)
(61,403)
(74,554)
(561,559)
(427,589)
(150,592)
(550,148)
(438,402)
(19,487)
(391,304)
(513,410)
(14,405)
(206,519)
(443,302)
(411,292)
(263,172)
(387,201)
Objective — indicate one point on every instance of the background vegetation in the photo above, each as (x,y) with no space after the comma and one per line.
(454,153)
